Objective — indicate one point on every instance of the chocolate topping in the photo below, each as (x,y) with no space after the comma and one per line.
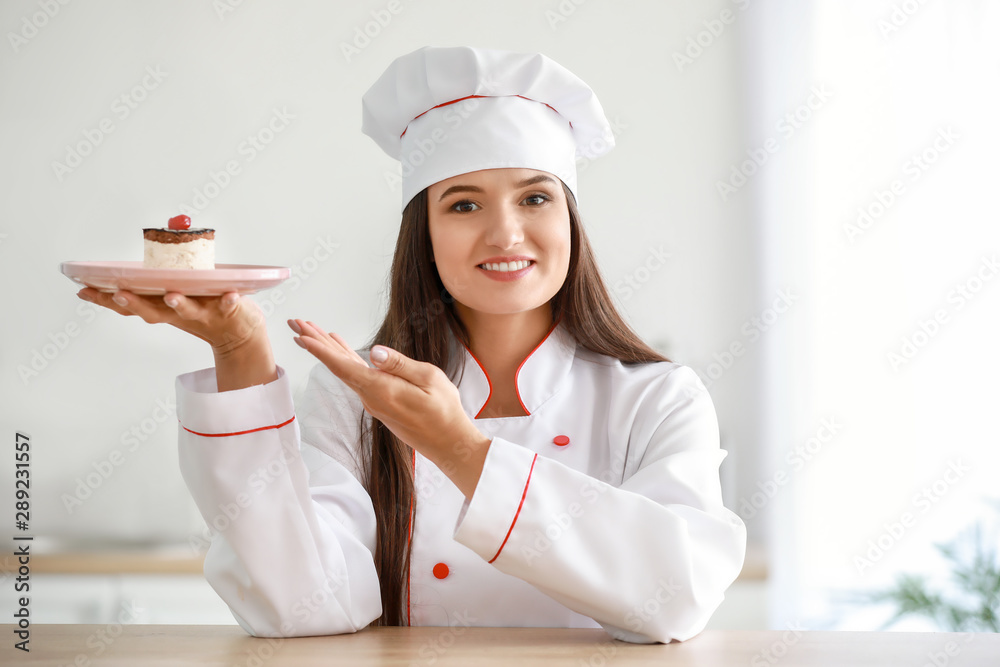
(161,235)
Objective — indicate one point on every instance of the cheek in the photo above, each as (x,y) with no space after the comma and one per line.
(441,246)
(559,240)
(449,255)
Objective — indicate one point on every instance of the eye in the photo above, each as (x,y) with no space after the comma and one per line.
(536,199)
(464,206)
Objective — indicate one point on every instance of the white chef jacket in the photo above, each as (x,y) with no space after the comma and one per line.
(600,508)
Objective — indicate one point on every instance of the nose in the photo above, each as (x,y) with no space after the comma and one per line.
(505,228)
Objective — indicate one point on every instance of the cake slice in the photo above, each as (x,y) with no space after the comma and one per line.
(178,246)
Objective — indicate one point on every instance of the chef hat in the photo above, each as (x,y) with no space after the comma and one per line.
(448,111)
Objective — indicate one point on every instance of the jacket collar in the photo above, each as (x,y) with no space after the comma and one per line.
(540,375)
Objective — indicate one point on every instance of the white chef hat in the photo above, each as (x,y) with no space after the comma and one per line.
(448,111)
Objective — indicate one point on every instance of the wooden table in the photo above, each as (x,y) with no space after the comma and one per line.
(175,645)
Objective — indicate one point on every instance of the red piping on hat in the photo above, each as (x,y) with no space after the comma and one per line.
(473,97)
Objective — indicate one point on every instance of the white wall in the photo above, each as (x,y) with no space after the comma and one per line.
(223,74)
(892,343)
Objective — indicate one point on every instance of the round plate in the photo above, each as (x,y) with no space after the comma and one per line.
(132,276)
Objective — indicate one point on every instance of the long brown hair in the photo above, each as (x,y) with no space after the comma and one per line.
(417,323)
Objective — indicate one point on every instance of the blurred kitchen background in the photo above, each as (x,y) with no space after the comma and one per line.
(821,175)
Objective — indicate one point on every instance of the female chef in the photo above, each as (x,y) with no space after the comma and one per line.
(506,451)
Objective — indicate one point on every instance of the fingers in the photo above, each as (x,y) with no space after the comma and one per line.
(154,309)
(188,308)
(335,359)
(150,309)
(333,340)
(415,372)
(102,299)
(335,353)
(310,331)
(343,343)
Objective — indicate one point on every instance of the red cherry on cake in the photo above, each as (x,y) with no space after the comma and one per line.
(179,222)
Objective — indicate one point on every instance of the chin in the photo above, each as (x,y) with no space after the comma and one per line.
(506,307)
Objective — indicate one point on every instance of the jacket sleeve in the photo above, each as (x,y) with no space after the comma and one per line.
(292,530)
(648,559)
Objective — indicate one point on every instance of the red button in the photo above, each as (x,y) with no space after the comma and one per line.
(441,571)
(561,440)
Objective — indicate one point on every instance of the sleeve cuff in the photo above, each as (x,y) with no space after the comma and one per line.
(204,411)
(488,519)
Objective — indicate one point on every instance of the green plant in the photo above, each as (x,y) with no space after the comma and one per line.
(974,606)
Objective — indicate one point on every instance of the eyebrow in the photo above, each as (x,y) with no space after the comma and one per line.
(540,178)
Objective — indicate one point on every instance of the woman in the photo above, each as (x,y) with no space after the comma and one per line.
(516,456)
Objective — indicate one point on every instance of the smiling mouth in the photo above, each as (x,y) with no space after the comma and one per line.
(505,267)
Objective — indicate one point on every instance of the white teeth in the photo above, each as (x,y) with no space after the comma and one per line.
(506,266)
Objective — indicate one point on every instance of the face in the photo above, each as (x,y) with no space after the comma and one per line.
(501,238)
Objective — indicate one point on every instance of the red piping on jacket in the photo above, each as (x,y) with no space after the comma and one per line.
(226,435)
(409,542)
(473,97)
(518,513)
(516,373)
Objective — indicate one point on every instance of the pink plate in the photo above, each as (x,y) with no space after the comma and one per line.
(132,276)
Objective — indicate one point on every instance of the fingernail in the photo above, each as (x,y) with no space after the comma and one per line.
(120,300)
(298,341)
(230,299)
(171,301)
(294,326)
(85,297)
(379,354)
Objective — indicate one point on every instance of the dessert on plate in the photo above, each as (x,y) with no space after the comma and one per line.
(178,246)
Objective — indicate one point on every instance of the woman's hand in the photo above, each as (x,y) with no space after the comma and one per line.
(415,400)
(233,326)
